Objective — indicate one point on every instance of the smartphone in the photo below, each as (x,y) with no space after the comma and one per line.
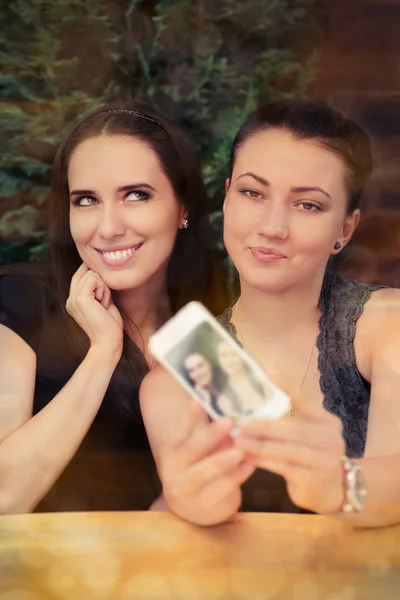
(214,368)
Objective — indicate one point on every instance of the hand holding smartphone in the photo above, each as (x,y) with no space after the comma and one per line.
(213,368)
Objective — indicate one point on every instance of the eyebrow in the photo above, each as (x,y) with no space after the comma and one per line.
(256,177)
(123,188)
(294,190)
(315,188)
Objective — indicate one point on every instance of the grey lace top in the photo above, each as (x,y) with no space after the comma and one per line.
(345,392)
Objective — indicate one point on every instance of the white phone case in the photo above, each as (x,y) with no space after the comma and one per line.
(214,368)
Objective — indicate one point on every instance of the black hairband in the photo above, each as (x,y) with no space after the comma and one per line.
(135,113)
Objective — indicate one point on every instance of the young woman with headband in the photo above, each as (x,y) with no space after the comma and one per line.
(128,245)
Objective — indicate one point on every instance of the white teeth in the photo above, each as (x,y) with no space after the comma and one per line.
(119,254)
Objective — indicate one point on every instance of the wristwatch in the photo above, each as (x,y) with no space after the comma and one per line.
(355,487)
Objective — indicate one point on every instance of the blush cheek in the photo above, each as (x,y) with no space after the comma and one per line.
(311,250)
(82,229)
(83,234)
(238,230)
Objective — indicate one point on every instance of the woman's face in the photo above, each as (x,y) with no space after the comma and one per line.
(285,208)
(124,215)
(198,370)
(229,360)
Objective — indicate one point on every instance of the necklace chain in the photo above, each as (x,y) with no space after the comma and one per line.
(309,358)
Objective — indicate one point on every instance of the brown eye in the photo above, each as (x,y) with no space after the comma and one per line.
(309,206)
(251,193)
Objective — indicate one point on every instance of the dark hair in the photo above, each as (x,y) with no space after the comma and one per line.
(177,157)
(185,279)
(308,119)
(217,376)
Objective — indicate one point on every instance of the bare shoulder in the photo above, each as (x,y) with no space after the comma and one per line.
(159,381)
(161,394)
(381,310)
(13,347)
(17,375)
(165,407)
(385,298)
(17,363)
(378,327)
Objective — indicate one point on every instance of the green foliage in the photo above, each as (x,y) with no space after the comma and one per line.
(44,86)
(207,63)
(210,63)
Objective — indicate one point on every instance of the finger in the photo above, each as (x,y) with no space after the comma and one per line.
(199,437)
(195,417)
(211,468)
(280,467)
(99,293)
(282,429)
(107,298)
(321,435)
(310,490)
(229,483)
(299,455)
(243,472)
(83,269)
(206,440)
(90,285)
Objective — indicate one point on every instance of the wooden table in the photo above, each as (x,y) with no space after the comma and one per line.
(156,556)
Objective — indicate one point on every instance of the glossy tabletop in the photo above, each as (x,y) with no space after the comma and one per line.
(155,555)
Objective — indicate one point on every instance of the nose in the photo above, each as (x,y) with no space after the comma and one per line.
(111,221)
(274,222)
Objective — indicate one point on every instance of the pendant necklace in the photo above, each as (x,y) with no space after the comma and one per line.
(292,412)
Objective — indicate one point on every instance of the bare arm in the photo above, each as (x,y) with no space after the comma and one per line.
(200,471)
(378,334)
(382,474)
(306,450)
(35,450)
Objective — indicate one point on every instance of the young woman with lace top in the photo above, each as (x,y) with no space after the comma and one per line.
(297,173)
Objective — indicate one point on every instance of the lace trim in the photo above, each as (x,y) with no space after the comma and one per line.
(225,321)
(345,392)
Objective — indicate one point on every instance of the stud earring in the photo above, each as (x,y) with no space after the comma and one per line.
(185,224)
(337,246)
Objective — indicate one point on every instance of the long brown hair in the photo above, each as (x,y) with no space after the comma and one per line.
(186,270)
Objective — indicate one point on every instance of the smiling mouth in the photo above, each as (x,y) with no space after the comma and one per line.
(119,256)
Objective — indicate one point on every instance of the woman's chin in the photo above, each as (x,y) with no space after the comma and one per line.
(271,284)
(120,281)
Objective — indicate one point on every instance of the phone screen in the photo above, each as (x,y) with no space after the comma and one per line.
(214,368)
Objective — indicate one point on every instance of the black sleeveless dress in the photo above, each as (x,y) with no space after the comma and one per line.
(345,392)
(113,468)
